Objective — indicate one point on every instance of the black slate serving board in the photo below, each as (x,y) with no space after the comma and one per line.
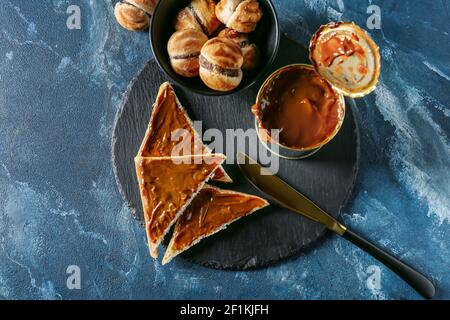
(268,235)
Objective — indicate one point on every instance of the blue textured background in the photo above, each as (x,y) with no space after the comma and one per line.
(59,205)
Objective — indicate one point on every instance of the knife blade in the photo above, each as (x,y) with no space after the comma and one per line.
(286,196)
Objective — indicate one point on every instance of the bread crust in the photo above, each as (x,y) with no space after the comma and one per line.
(206,12)
(186,20)
(184,48)
(242,16)
(249,50)
(200,15)
(225,9)
(218,81)
(130,17)
(187,67)
(220,64)
(223,52)
(147,5)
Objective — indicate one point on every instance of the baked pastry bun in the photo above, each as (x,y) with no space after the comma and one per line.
(250,51)
(147,5)
(131,17)
(240,15)
(184,48)
(199,14)
(186,20)
(220,64)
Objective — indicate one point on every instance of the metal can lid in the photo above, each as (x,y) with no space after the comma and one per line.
(347,57)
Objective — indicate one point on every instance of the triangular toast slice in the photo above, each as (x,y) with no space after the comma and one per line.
(167,186)
(212,210)
(167,117)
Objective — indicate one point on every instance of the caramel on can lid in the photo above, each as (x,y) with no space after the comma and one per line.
(347,57)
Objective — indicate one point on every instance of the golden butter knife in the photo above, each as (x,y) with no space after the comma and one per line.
(286,196)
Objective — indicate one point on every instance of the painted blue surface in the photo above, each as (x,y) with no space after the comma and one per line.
(59,205)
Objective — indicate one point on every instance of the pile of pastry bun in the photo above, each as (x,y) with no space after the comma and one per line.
(134,15)
(211,41)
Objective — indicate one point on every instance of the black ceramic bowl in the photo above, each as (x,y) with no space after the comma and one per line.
(266,37)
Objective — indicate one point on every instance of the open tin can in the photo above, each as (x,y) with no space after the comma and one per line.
(345,62)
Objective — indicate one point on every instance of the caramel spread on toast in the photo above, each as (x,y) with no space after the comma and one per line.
(211,211)
(167,186)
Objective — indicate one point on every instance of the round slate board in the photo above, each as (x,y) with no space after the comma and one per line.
(270,234)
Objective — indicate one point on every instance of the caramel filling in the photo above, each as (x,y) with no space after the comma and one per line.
(338,46)
(185,56)
(302,106)
(166,187)
(209,211)
(197,18)
(218,69)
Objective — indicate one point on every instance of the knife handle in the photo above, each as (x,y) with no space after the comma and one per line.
(415,279)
